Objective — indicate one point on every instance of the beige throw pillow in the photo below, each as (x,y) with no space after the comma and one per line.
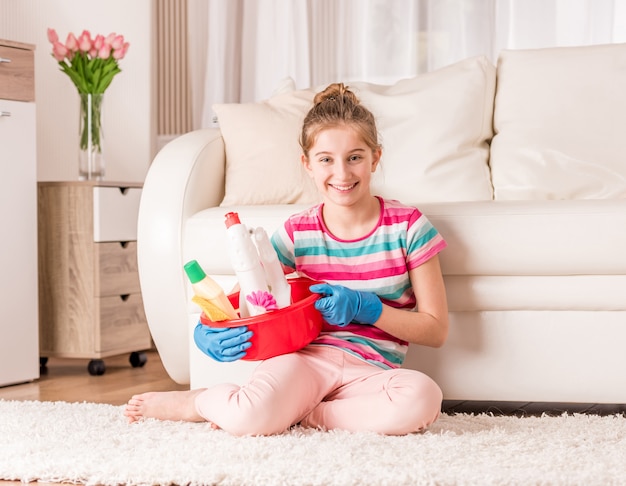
(262,151)
(435,129)
(559,119)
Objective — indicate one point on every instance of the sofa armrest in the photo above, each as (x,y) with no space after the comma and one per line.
(186,176)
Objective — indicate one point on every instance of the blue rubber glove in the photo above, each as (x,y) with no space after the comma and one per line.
(340,305)
(222,344)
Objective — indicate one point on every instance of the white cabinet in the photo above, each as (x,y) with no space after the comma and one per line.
(19,345)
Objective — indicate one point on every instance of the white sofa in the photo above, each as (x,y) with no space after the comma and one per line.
(522,168)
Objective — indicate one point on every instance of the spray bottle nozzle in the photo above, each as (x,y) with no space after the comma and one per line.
(231,219)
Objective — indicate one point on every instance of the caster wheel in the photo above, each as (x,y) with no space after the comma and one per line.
(43,361)
(137,359)
(96,367)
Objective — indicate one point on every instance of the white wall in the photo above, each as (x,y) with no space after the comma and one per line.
(129,110)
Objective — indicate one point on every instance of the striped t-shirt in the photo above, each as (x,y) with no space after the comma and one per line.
(379,262)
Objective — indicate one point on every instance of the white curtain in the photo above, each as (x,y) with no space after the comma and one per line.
(244,50)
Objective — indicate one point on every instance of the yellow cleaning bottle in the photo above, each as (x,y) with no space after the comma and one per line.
(208,294)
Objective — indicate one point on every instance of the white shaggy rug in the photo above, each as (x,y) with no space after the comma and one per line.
(92,444)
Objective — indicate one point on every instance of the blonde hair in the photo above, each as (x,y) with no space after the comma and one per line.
(338,106)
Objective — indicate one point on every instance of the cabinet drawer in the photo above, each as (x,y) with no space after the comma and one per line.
(123,326)
(115,213)
(116,269)
(17,76)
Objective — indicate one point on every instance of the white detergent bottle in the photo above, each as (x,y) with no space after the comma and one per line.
(247,266)
(274,275)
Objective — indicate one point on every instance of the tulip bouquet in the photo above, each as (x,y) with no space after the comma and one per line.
(91,64)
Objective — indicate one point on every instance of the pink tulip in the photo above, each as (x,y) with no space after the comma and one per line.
(120,53)
(117,42)
(71,43)
(59,51)
(52,36)
(84,41)
(104,52)
(109,38)
(98,42)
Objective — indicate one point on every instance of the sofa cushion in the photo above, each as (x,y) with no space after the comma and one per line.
(559,121)
(208,225)
(262,150)
(531,238)
(486,238)
(435,129)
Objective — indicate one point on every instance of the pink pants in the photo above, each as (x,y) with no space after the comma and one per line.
(324,387)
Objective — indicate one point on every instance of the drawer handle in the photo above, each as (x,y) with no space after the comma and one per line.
(124,297)
(123,244)
(4,59)
(5,113)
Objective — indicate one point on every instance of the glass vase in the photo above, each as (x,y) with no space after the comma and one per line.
(91,164)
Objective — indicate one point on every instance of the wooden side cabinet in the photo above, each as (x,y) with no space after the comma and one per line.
(90,302)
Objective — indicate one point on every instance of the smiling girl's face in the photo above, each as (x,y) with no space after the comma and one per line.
(341,165)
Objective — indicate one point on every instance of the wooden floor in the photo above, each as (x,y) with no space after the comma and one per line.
(68,380)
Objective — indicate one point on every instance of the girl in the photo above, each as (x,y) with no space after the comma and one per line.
(384,289)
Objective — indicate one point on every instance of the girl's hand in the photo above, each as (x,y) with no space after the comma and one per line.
(222,344)
(340,305)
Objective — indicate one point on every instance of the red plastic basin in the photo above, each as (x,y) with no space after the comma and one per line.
(281,331)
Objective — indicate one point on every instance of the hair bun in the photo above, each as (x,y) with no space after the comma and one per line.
(335,92)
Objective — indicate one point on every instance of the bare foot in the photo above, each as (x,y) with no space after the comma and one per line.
(174,405)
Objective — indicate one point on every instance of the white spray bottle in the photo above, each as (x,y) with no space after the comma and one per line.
(247,265)
(274,275)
